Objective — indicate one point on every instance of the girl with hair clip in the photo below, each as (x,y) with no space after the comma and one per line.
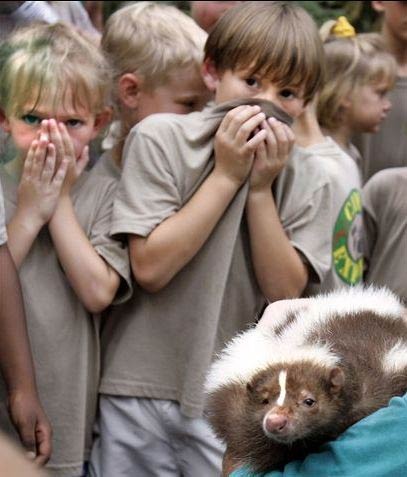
(359,74)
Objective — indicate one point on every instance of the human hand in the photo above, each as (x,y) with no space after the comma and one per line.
(236,141)
(271,154)
(40,183)
(65,151)
(32,425)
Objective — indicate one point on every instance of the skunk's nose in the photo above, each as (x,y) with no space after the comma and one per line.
(275,422)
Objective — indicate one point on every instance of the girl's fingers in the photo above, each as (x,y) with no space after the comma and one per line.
(56,139)
(39,157)
(27,168)
(60,173)
(83,160)
(49,166)
(67,141)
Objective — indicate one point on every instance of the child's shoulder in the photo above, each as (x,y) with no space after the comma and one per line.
(391,182)
(161,126)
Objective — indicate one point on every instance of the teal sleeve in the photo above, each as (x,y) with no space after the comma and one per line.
(376,446)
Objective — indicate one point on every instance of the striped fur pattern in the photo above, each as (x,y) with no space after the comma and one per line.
(305,374)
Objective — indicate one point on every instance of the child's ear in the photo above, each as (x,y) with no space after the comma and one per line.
(4,122)
(102,120)
(129,89)
(210,75)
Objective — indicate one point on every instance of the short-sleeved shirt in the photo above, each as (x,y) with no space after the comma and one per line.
(64,336)
(385,215)
(160,345)
(3,232)
(387,147)
(346,225)
(374,447)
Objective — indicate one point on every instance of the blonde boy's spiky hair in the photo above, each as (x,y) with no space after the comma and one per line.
(52,64)
(350,63)
(153,41)
(275,39)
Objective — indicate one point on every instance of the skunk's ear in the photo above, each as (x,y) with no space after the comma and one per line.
(336,379)
(249,388)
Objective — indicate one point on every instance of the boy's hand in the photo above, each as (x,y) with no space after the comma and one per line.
(65,150)
(40,184)
(236,141)
(32,425)
(271,154)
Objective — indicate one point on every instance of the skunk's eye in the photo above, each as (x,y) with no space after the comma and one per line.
(309,402)
(265,401)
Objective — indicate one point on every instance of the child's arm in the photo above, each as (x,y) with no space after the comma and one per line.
(38,194)
(94,281)
(156,259)
(279,269)
(17,367)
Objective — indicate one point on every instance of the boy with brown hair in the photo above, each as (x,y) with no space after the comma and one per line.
(209,242)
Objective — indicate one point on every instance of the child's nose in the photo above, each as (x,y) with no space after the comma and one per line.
(268,95)
(387,105)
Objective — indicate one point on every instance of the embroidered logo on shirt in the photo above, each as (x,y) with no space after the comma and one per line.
(347,240)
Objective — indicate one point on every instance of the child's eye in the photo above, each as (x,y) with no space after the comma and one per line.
(252,82)
(73,123)
(288,93)
(31,119)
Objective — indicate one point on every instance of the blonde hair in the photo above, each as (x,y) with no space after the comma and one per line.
(276,39)
(54,64)
(350,63)
(152,40)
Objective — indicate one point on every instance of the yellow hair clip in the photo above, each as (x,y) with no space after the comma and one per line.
(343,28)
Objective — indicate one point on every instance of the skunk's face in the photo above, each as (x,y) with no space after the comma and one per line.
(293,402)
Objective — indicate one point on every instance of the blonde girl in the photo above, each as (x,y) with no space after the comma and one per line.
(54,90)
(359,74)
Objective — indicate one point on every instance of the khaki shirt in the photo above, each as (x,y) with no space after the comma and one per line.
(385,214)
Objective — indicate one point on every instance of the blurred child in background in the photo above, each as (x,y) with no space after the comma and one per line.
(155,52)
(388,147)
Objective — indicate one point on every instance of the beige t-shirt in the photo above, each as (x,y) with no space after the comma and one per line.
(346,225)
(388,147)
(160,345)
(63,335)
(385,214)
(3,232)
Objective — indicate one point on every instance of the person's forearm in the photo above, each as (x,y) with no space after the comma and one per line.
(21,231)
(279,269)
(158,258)
(93,280)
(15,354)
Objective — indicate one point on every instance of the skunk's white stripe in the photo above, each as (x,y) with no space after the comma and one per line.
(282,381)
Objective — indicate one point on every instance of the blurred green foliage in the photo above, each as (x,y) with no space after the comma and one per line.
(359,13)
